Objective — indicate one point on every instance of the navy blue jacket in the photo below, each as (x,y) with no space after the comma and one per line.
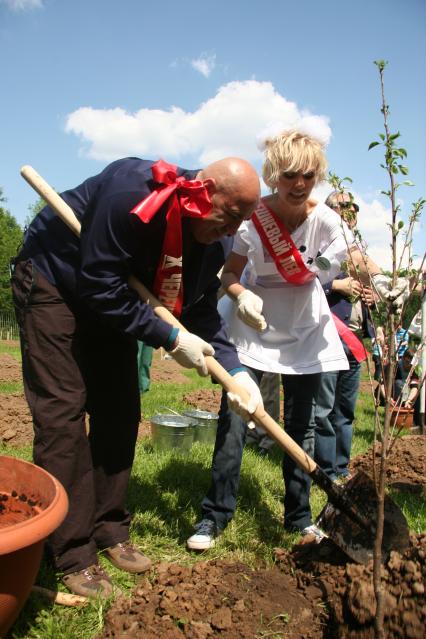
(93,271)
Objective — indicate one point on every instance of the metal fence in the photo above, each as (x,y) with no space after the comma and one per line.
(8,326)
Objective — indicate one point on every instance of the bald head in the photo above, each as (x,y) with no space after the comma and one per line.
(234,190)
(236,177)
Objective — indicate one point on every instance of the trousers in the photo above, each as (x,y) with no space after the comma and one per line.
(334,418)
(74,366)
(300,397)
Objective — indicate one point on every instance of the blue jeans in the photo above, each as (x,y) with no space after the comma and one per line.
(300,395)
(334,418)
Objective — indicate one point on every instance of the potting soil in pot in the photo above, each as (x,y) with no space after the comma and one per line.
(15,508)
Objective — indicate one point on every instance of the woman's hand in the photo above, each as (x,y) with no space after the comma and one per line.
(249,310)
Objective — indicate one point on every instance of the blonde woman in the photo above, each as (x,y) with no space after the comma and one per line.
(279,320)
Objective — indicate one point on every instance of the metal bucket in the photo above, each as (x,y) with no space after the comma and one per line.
(206,425)
(172,432)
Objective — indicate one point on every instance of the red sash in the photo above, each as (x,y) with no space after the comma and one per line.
(185,198)
(354,344)
(277,240)
(280,246)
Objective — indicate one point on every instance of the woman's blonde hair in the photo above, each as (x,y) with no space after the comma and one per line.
(292,152)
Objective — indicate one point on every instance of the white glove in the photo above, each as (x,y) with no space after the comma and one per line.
(382,285)
(400,293)
(238,405)
(250,310)
(397,295)
(190,351)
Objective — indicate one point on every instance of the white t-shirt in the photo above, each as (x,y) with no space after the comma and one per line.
(301,336)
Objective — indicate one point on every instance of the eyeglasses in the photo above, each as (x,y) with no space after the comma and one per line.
(346,206)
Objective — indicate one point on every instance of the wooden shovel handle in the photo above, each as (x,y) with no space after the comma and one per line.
(229,384)
(217,371)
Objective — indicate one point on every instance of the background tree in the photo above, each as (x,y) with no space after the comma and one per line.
(10,239)
(34,209)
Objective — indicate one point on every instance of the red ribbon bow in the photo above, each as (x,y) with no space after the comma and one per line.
(189,197)
(186,198)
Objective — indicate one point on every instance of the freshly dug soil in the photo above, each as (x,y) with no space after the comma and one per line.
(311,593)
(16,424)
(406,465)
(217,599)
(10,369)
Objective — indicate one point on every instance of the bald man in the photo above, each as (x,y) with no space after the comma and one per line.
(80,322)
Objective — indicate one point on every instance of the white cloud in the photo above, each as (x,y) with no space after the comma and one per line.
(226,124)
(204,64)
(23,5)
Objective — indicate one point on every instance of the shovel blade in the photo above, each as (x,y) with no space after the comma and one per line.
(355,540)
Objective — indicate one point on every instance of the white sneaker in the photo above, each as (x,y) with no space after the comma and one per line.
(315,531)
(204,537)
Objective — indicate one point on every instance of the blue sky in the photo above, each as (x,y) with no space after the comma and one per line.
(87,81)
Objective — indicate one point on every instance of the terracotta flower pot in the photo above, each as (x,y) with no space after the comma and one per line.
(402,417)
(32,504)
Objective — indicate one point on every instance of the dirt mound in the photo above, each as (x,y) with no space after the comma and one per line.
(216,599)
(16,424)
(406,462)
(166,370)
(204,399)
(311,593)
(10,369)
(348,589)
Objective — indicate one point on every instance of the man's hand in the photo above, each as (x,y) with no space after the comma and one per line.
(400,293)
(348,286)
(250,310)
(245,409)
(397,295)
(190,351)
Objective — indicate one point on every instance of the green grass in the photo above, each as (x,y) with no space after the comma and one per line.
(12,348)
(164,496)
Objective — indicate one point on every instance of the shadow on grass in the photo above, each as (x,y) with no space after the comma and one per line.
(172,497)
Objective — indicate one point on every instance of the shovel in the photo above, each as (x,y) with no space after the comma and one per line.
(349,516)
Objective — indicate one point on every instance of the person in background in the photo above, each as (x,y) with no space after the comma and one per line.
(270,390)
(335,412)
(172,229)
(279,320)
(405,388)
(377,352)
(401,340)
(144,366)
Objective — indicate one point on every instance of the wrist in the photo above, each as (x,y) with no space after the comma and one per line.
(172,340)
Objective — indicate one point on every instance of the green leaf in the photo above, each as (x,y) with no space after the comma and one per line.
(403,169)
(381,136)
(400,224)
(394,136)
(373,144)
(408,183)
